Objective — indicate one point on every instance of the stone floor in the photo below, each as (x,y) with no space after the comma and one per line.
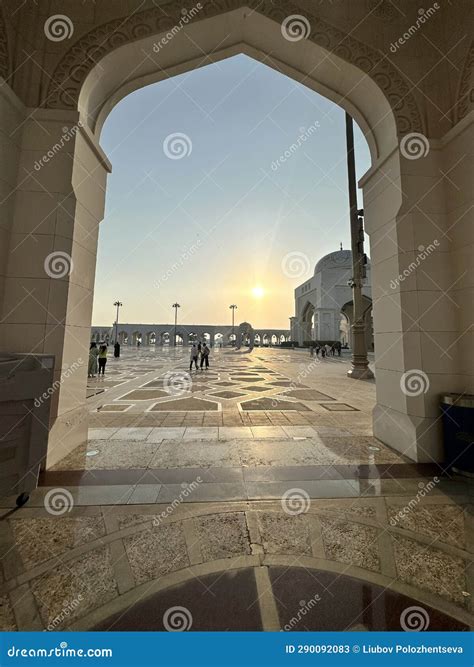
(249,496)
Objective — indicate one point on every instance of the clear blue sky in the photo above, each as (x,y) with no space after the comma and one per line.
(206,229)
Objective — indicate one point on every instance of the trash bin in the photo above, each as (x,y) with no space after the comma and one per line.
(26,385)
(458,429)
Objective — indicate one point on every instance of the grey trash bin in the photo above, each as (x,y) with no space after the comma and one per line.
(26,384)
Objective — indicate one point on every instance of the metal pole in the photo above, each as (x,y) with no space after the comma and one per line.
(175,306)
(360,363)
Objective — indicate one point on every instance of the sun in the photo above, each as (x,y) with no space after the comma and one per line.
(258,292)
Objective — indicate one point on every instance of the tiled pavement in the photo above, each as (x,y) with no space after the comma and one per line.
(163,506)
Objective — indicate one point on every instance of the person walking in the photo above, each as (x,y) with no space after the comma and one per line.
(102,358)
(205,356)
(117,350)
(92,365)
(193,357)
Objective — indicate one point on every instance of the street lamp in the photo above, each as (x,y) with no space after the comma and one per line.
(233,307)
(360,363)
(175,306)
(117,304)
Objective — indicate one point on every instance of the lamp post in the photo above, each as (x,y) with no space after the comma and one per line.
(233,307)
(117,304)
(175,306)
(360,363)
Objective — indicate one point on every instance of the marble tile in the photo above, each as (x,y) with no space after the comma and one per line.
(201,433)
(80,586)
(157,551)
(58,535)
(268,432)
(101,433)
(351,543)
(132,434)
(144,494)
(120,454)
(444,523)
(222,535)
(7,618)
(207,492)
(431,569)
(161,433)
(235,433)
(281,534)
(299,431)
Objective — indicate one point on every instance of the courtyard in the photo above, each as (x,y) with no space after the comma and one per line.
(249,496)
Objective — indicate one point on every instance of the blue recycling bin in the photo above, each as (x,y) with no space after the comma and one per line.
(458,430)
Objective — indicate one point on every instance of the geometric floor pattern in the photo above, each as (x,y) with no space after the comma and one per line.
(252,495)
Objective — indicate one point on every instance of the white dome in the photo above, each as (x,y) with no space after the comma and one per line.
(341,259)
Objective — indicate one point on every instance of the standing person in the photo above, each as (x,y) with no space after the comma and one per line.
(194,357)
(318,349)
(205,356)
(328,349)
(102,358)
(338,348)
(117,350)
(323,351)
(92,365)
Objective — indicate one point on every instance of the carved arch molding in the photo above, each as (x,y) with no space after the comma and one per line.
(73,68)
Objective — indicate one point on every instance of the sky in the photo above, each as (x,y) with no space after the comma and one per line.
(200,207)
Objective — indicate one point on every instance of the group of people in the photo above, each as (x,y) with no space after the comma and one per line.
(97,360)
(326,350)
(200,351)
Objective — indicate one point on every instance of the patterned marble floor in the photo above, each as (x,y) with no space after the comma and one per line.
(241,483)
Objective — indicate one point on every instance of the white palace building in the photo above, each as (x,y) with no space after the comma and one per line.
(323,303)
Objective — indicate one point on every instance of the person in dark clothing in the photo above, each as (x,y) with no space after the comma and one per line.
(102,359)
(205,356)
(117,350)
